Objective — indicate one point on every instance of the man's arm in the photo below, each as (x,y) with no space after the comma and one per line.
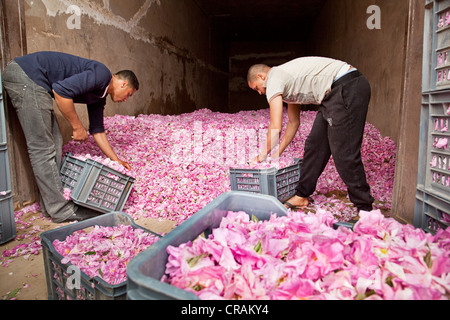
(292,127)
(275,127)
(67,108)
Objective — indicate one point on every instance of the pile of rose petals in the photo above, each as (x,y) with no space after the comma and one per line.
(181,163)
(302,257)
(104,251)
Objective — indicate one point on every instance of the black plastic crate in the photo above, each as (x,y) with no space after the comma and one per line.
(59,274)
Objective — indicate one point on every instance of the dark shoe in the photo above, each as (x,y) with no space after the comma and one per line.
(82,214)
(349,225)
(366,208)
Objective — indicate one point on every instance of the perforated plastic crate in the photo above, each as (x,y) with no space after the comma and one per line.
(433,182)
(5,176)
(278,183)
(431,212)
(7,223)
(434,144)
(145,270)
(436,72)
(433,178)
(3,139)
(58,275)
(71,170)
(95,185)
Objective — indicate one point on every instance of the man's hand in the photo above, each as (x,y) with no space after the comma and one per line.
(67,108)
(275,155)
(125,164)
(102,141)
(260,158)
(80,134)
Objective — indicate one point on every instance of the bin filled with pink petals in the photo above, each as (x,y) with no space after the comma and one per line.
(88,260)
(245,254)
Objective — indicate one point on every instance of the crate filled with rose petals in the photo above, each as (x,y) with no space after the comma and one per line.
(146,270)
(252,248)
(280,183)
(95,185)
(87,260)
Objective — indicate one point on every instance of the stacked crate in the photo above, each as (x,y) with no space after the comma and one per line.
(7,223)
(432,210)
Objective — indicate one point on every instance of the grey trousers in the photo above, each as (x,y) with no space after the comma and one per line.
(34,107)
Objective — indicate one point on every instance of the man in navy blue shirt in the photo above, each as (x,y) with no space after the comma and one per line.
(32,82)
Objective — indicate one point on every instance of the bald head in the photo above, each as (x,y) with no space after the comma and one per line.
(255,70)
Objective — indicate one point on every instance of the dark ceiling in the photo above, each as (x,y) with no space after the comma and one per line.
(262,20)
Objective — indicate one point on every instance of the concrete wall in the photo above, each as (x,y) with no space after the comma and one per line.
(341,32)
(391,59)
(245,54)
(166,43)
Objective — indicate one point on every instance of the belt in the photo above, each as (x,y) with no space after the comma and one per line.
(346,78)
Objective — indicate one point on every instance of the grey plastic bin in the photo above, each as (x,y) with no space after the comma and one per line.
(433,177)
(280,183)
(431,212)
(7,223)
(434,144)
(436,66)
(95,185)
(3,138)
(146,270)
(57,273)
(71,170)
(5,176)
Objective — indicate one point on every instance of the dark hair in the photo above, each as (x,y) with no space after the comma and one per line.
(130,77)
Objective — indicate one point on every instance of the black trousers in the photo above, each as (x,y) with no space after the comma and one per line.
(338,131)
